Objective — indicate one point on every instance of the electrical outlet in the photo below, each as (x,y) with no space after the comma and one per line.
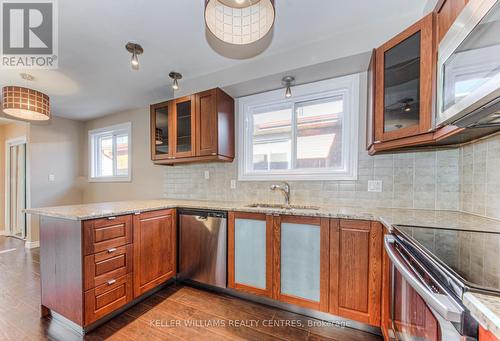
(52,178)
(374,185)
(207,175)
(233,184)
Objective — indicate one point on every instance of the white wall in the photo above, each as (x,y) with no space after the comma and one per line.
(54,148)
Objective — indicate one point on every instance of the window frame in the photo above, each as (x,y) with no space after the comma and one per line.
(346,86)
(114,131)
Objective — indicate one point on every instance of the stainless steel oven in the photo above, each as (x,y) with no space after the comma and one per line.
(420,307)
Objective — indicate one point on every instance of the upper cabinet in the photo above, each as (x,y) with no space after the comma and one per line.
(447,11)
(404,68)
(193,128)
(406,95)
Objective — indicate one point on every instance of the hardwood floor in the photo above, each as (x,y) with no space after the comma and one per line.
(175,313)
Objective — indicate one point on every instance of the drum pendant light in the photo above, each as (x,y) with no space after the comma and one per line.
(239,28)
(25,103)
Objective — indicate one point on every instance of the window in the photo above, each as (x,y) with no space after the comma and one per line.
(311,136)
(110,153)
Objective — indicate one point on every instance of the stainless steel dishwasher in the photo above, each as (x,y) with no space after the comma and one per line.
(203,247)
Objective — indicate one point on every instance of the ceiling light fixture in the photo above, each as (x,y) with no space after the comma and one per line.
(135,50)
(158,136)
(288,81)
(175,76)
(25,103)
(239,28)
(407,104)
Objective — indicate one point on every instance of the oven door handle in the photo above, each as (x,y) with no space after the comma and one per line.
(439,302)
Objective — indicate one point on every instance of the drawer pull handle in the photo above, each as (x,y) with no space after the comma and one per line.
(111,281)
(111,218)
(111,250)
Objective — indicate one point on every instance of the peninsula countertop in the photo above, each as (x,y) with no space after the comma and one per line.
(485,309)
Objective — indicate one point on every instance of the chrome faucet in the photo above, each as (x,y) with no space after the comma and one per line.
(285,188)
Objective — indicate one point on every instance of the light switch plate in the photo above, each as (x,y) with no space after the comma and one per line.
(374,185)
(233,184)
(52,177)
(207,175)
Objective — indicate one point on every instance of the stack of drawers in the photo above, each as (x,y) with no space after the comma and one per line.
(108,265)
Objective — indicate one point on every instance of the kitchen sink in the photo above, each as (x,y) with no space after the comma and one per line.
(284,207)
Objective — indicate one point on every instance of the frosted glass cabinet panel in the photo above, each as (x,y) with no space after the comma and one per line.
(300,261)
(250,252)
(302,252)
(249,258)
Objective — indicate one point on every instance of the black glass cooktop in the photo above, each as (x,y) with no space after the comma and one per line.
(472,256)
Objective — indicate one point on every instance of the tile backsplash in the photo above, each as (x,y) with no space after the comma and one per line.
(480,177)
(427,180)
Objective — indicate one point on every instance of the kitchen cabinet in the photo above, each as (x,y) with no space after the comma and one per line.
(446,13)
(404,74)
(250,253)
(161,131)
(356,270)
(92,268)
(195,128)
(301,261)
(155,249)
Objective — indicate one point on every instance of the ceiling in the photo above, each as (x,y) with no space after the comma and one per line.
(94,76)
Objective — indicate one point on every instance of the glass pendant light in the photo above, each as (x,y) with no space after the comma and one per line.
(135,50)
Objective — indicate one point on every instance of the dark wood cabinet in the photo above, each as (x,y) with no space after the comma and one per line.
(404,74)
(196,128)
(356,270)
(155,241)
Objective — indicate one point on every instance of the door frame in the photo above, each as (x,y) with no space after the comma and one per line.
(10,143)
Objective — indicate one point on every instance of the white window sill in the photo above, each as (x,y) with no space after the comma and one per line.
(111,179)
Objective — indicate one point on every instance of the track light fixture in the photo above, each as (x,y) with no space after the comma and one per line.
(288,81)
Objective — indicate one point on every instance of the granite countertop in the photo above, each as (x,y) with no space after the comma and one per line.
(416,217)
(485,309)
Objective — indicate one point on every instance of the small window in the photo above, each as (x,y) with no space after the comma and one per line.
(110,153)
(311,136)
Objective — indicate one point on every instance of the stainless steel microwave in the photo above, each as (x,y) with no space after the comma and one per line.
(468,92)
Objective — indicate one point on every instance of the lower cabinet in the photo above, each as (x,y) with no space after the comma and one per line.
(356,270)
(250,253)
(301,261)
(155,241)
(323,264)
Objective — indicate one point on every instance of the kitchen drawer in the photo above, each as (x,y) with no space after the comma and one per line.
(103,234)
(107,298)
(107,265)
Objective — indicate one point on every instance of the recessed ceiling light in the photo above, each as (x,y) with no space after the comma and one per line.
(135,50)
(175,76)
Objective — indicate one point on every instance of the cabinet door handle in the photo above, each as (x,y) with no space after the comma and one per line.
(111,250)
(111,281)
(111,218)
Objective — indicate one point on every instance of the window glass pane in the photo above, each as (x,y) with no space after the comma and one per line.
(272,139)
(319,133)
(105,158)
(122,155)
